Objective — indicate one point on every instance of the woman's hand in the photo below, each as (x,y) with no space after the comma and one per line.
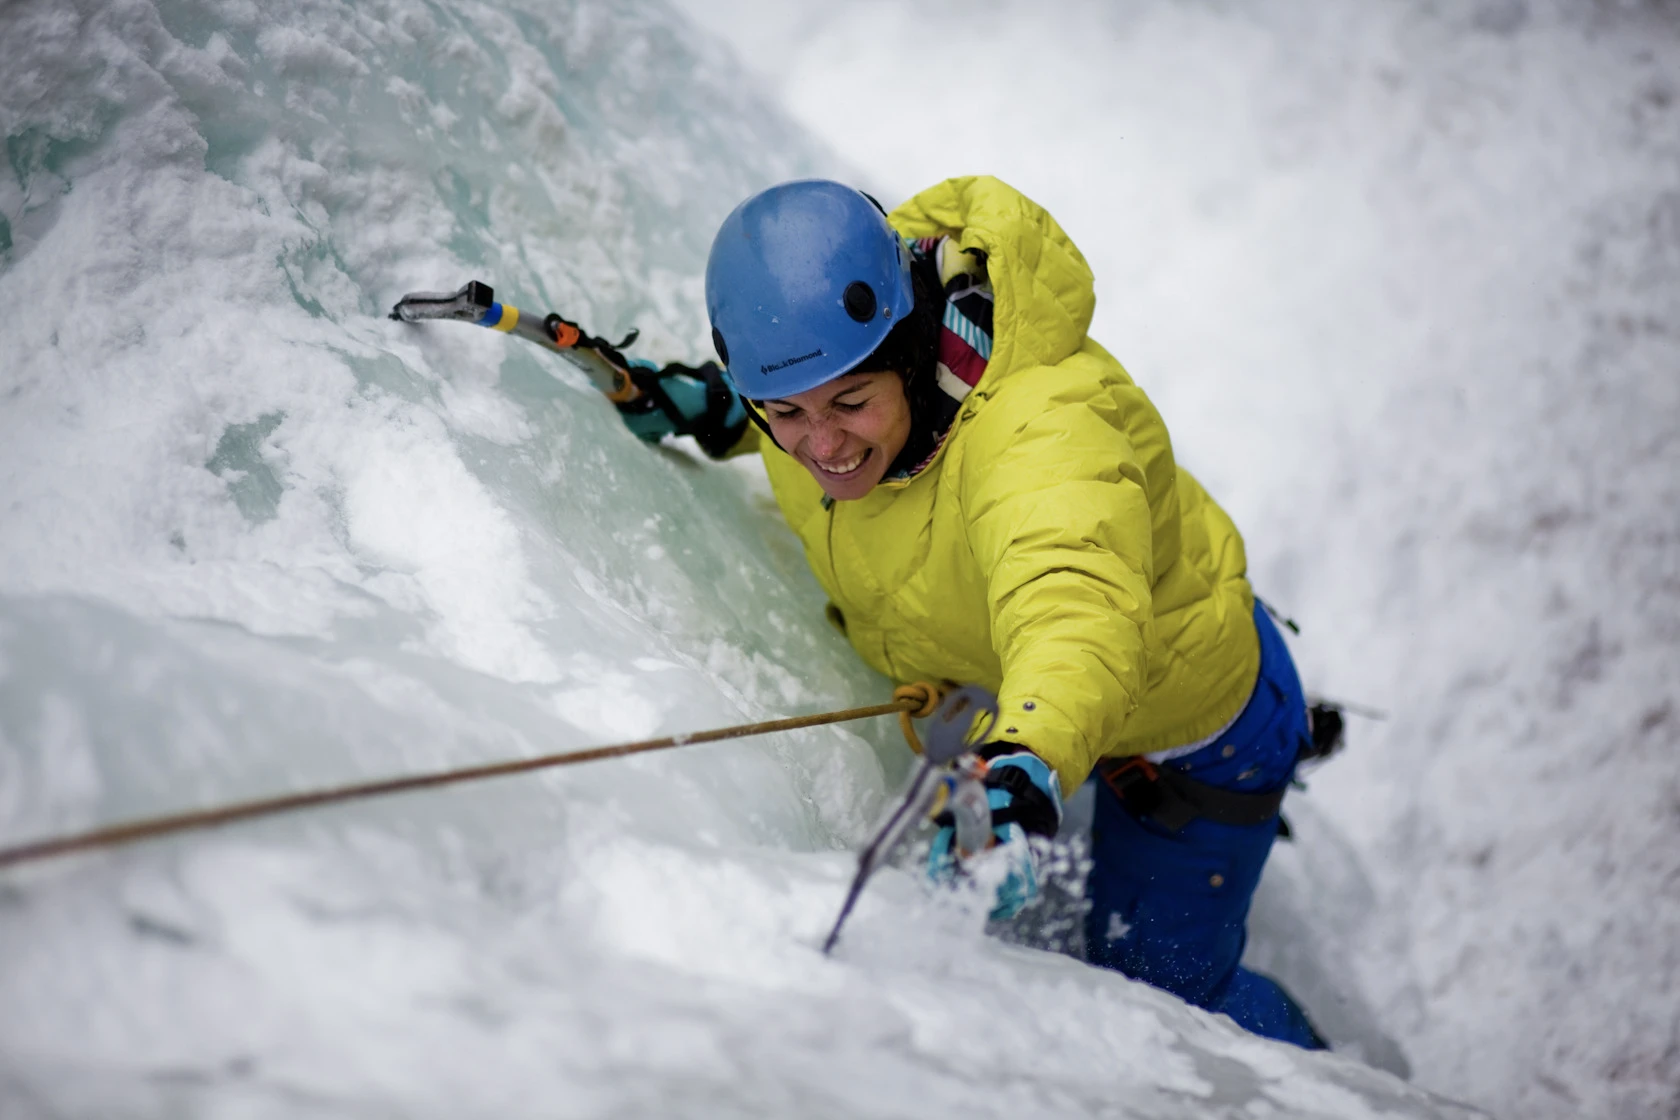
(679,400)
(1026,799)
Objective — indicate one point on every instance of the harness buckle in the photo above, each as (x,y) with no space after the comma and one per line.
(1140,785)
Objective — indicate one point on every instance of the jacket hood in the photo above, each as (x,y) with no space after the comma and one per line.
(1042,288)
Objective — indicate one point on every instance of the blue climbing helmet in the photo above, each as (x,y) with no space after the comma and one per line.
(805,281)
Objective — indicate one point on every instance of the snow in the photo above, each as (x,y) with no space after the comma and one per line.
(255,537)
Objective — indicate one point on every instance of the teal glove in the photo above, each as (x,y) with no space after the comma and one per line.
(1026,798)
(679,400)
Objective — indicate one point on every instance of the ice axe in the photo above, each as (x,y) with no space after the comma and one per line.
(475,302)
(949,777)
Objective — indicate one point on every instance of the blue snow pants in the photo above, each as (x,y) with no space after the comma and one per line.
(1171,908)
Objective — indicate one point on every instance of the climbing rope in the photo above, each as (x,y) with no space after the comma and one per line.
(926,698)
(910,701)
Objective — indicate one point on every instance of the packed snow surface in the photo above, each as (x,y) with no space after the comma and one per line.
(1404,283)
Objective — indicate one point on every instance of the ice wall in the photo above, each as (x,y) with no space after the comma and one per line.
(255,537)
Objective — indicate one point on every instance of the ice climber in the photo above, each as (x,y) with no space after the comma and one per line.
(986,497)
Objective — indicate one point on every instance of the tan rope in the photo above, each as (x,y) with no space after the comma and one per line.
(926,698)
(905,702)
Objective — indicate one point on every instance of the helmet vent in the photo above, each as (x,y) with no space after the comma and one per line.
(860,301)
(717,344)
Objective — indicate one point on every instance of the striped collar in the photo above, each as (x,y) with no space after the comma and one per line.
(965,346)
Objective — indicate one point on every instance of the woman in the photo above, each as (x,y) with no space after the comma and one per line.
(986,497)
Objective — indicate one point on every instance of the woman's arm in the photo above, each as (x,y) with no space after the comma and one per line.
(1058,519)
(679,400)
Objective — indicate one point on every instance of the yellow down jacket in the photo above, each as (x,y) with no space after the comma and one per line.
(1053,551)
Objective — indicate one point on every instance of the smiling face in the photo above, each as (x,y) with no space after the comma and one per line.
(846,432)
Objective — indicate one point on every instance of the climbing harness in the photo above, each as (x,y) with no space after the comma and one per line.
(908,701)
(1172,799)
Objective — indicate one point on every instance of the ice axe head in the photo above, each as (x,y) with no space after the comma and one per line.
(965,719)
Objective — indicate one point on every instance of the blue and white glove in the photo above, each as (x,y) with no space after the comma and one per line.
(1026,799)
(679,400)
